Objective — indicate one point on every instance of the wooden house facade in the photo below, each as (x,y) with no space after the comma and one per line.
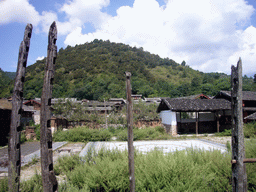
(248,99)
(201,115)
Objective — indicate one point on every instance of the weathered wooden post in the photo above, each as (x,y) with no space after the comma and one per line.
(130,132)
(17,99)
(48,177)
(239,178)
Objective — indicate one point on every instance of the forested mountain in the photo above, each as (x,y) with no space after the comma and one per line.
(96,71)
(5,80)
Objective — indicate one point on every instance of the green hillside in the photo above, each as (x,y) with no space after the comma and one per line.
(96,70)
(6,79)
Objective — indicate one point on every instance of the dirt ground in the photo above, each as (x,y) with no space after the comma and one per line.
(221,140)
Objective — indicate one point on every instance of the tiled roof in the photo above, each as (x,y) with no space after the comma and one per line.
(198,96)
(246,95)
(194,105)
(251,117)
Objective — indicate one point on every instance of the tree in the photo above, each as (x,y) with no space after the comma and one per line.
(183,63)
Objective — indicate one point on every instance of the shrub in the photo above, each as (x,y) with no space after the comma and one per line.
(122,135)
(150,134)
(250,152)
(226,132)
(23,138)
(37,131)
(66,164)
(187,170)
(33,184)
(155,171)
(250,130)
(4,184)
(82,134)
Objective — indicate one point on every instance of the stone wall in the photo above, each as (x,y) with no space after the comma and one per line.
(170,129)
(147,123)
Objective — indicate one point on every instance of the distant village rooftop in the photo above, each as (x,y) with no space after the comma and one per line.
(193,105)
(246,95)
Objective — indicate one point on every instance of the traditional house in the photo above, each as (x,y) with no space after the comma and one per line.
(5,119)
(27,114)
(136,97)
(248,98)
(211,115)
(152,100)
(250,118)
(198,96)
(58,122)
(36,106)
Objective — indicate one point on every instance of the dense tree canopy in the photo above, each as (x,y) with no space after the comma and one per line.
(96,70)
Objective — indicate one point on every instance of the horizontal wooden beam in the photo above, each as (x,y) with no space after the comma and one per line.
(233,161)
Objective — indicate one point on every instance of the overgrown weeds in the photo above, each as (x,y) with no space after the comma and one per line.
(250,130)
(4,184)
(226,132)
(190,170)
(187,170)
(84,134)
(33,184)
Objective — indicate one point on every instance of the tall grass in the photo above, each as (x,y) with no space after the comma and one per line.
(187,170)
(4,184)
(190,170)
(33,184)
(250,152)
(250,130)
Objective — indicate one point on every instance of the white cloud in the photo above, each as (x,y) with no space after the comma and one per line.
(246,50)
(40,58)
(18,11)
(207,37)
(79,12)
(46,20)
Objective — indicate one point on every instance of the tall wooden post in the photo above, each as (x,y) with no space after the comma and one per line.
(130,132)
(17,99)
(239,178)
(48,177)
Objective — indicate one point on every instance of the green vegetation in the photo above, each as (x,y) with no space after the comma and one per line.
(33,184)
(144,111)
(250,130)
(188,170)
(84,134)
(4,184)
(95,71)
(79,112)
(6,78)
(226,132)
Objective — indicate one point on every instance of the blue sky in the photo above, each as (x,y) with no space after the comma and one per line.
(210,35)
